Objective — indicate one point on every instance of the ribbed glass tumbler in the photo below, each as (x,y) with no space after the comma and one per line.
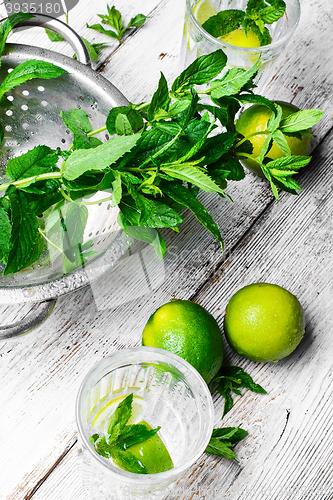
(174,396)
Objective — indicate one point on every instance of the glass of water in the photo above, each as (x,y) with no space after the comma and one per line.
(170,393)
(196,41)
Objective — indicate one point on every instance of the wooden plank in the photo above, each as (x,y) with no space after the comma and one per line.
(45,368)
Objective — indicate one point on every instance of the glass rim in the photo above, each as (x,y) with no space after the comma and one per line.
(248,50)
(124,359)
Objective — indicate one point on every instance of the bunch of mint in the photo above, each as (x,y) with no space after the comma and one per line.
(160,155)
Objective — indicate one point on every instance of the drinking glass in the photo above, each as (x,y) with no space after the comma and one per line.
(196,41)
(175,398)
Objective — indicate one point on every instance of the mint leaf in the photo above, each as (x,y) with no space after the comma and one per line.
(145,234)
(137,21)
(119,419)
(134,118)
(230,379)
(24,235)
(233,81)
(5,232)
(288,163)
(54,37)
(192,175)
(7,26)
(39,160)
(77,121)
(133,434)
(73,230)
(184,196)
(301,120)
(100,157)
(281,141)
(100,29)
(163,216)
(127,461)
(201,71)
(223,439)
(270,15)
(223,22)
(160,99)
(30,69)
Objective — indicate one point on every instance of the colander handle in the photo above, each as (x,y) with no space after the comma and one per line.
(31,321)
(63,30)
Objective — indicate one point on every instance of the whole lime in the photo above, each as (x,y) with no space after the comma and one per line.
(264,322)
(254,119)
(190,331)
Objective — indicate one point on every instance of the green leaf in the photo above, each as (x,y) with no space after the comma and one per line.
(217,447)
(233,81)
(223,439)
(184,196)
(281,142)
(257,99)
(160,99)
(39,160)
(54,37)
(133,116)
(24,235)
(145,234)
(201,71)
(30,69)
(100,157)
(48,194)
(73,230)
(113,18)
(100,29)
(7,26)
(5,232)
(119,419)
(270,15)
(289,163)
(223,22)
(93,53)
(164,216)
(301,120)
(137,21)
(76,120)
(127,461)
(133,434)
(230,379)
(116,188)
(192,175)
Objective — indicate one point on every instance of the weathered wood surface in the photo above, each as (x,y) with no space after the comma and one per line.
(287,452)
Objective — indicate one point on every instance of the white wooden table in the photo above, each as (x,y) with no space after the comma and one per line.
(288,451)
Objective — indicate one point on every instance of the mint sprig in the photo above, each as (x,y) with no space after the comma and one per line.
(120,437)
(113,19)
(229,380)
(258,13)
(223,439)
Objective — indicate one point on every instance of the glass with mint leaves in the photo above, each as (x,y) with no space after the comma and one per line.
(144,416)
(244,29)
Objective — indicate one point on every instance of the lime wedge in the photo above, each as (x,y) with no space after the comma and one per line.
(203,10)
(102,418)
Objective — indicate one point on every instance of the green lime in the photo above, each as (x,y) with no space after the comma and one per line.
(188,330)
(153,453)
(239,38)
(254,119)
(264,322)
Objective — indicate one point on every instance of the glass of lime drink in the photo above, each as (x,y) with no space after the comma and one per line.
(167,393)
(241,51)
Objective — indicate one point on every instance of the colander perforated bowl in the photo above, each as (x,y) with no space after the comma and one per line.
(30,115)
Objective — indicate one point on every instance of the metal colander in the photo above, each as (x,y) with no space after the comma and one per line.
(30,115)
